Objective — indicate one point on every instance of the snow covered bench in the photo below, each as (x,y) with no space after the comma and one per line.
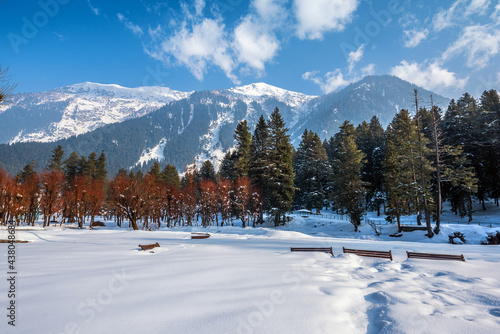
(148,247)
(312,249)
(369,253)
(430,256)
(200,235)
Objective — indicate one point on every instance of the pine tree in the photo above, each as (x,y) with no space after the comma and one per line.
(490,123)
(207,171)
(243,139)
(155,170)
(259,171)
(333,145)
(226,169)
(90,166)
(27,172)
(101,172)
(170,176)
(56,162)
(281,189)
(405,188)
(462,126)
(459,173)
(370,140)
(348,190)
(312,172)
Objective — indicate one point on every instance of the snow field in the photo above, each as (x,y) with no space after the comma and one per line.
(247,281)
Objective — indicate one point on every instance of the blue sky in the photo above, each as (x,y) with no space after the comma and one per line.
(311,46)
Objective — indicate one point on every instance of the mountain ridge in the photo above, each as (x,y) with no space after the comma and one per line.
(201,125)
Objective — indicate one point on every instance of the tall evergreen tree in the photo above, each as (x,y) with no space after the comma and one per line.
(72,165)
(56,162)
(226,169)
(169,175)
(207,171)
(259,162)
(243,140)
(459,173)
(370,140)
(155,170)
(27,172)
(90,166)
(490,123)
(348,190)
(404,186)
(101,172)
(312,172)
(281,175)
(333,145)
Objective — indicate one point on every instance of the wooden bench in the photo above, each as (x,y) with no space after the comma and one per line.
(430,256)
(148,247)
(200,235)
(312,249)
(369,253)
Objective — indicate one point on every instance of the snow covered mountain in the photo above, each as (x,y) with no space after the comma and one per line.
(77,109)
(189,127)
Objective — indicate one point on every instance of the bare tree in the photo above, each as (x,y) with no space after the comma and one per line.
(6,87)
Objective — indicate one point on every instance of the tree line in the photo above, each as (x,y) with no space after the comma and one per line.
(420,160)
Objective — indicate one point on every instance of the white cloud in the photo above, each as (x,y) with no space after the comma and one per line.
(134,28)
(95,10)
(204,44)
(478,43)
(330,82)
(414,37)
(444,18)
(432,77)
(496,14)
(477,6)
(317,17)
(458,11)
(254,39)
(368,70)
(253,45)
(354,57)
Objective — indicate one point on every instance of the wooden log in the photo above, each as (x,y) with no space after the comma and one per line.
(200,235)
(150,246)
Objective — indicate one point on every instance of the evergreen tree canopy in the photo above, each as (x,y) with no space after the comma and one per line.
(56,162)
(207,171)
(312,172)
(281,189)
(348,191)
(226,169)
(170,176)
(243,140)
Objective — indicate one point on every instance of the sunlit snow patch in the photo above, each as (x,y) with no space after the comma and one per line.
(155,153)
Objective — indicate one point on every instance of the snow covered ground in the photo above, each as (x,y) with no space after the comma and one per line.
(248,281)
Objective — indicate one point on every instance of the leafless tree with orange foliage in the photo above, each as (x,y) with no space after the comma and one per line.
(171,204)
(95,198)
(51,195)
(127,195)
(188,204)
(207,207)
(242,193)
(30,190)
(5,195)
(224,194)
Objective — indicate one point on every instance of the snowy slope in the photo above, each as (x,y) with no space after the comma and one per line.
(81,108)
(247,281)
(260,91)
